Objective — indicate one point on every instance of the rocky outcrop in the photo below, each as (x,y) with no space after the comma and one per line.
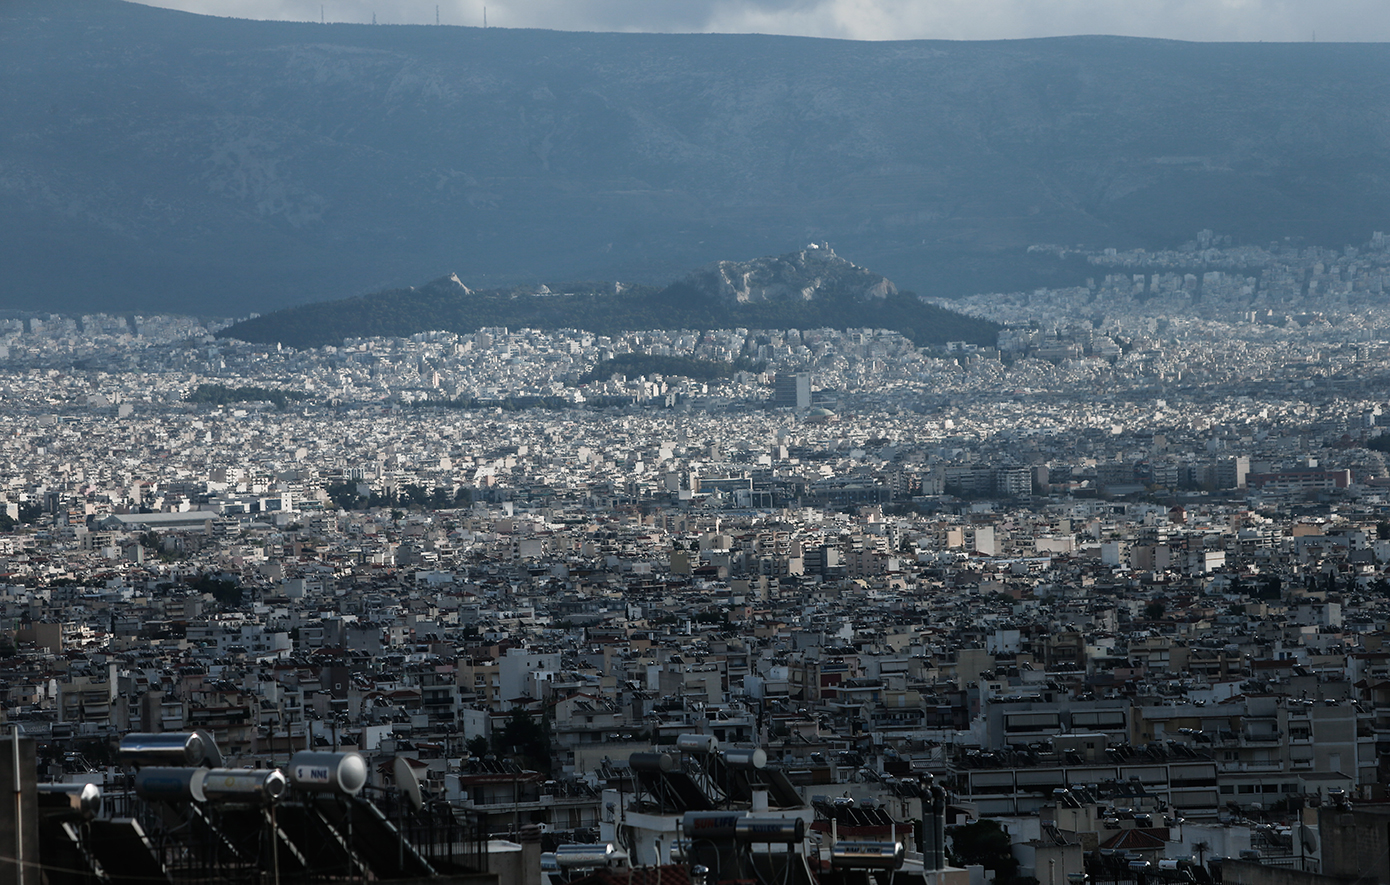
(814,272)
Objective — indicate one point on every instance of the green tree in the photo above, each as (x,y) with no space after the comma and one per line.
(477,746)
(986,843)
(344,495)
(525,739)
(413,495)
(224,590)
(1154,610)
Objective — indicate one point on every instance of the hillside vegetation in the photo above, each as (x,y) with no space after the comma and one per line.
(843,296)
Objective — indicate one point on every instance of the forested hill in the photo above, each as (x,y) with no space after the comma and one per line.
(841,295)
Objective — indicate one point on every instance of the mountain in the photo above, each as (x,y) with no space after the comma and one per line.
(815,270)
(813,288)
(158,160)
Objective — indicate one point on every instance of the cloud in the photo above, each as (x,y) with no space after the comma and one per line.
(1213,20)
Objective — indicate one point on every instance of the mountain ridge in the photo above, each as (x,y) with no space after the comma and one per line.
(158,160)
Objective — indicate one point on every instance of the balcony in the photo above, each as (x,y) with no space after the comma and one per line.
(1233,767)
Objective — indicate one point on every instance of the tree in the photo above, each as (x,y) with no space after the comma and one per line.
(344,495)
(986,843)
(224,590)
(1200,849)
(523,737)
(1154,610)
(477,746)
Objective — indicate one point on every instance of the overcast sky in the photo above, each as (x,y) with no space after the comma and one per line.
(1272,20)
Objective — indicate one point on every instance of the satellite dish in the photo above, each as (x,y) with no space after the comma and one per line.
(408,784)
(1309,838)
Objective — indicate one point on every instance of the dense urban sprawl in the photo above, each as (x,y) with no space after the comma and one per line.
(1132,560)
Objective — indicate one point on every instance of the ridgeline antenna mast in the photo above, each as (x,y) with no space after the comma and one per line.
(436,13)
(320,13)
(484,16)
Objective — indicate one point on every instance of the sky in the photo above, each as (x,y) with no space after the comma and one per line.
(1323,21)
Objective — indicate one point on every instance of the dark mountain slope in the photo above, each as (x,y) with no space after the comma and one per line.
(154,159)
(804,290)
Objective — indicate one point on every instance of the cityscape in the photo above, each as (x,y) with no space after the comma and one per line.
(1106,600)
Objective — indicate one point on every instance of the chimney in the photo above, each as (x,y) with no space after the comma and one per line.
(530,839)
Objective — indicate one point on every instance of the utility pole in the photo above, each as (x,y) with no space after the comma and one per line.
(18,810)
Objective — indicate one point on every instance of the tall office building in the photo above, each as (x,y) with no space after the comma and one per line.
(792,391)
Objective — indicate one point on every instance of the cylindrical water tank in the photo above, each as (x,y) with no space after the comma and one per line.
(343,773)
(244,786)
(599,855)
(651,762)
(867,855)
(697,743)
(786,830)
(171,748)
(746,758)
(63,800)
(710,824)
(171,784)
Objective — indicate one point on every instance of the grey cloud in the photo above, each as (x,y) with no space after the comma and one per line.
(1220,20)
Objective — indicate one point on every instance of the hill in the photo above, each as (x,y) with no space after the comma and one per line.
(810,289)
(158,160)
